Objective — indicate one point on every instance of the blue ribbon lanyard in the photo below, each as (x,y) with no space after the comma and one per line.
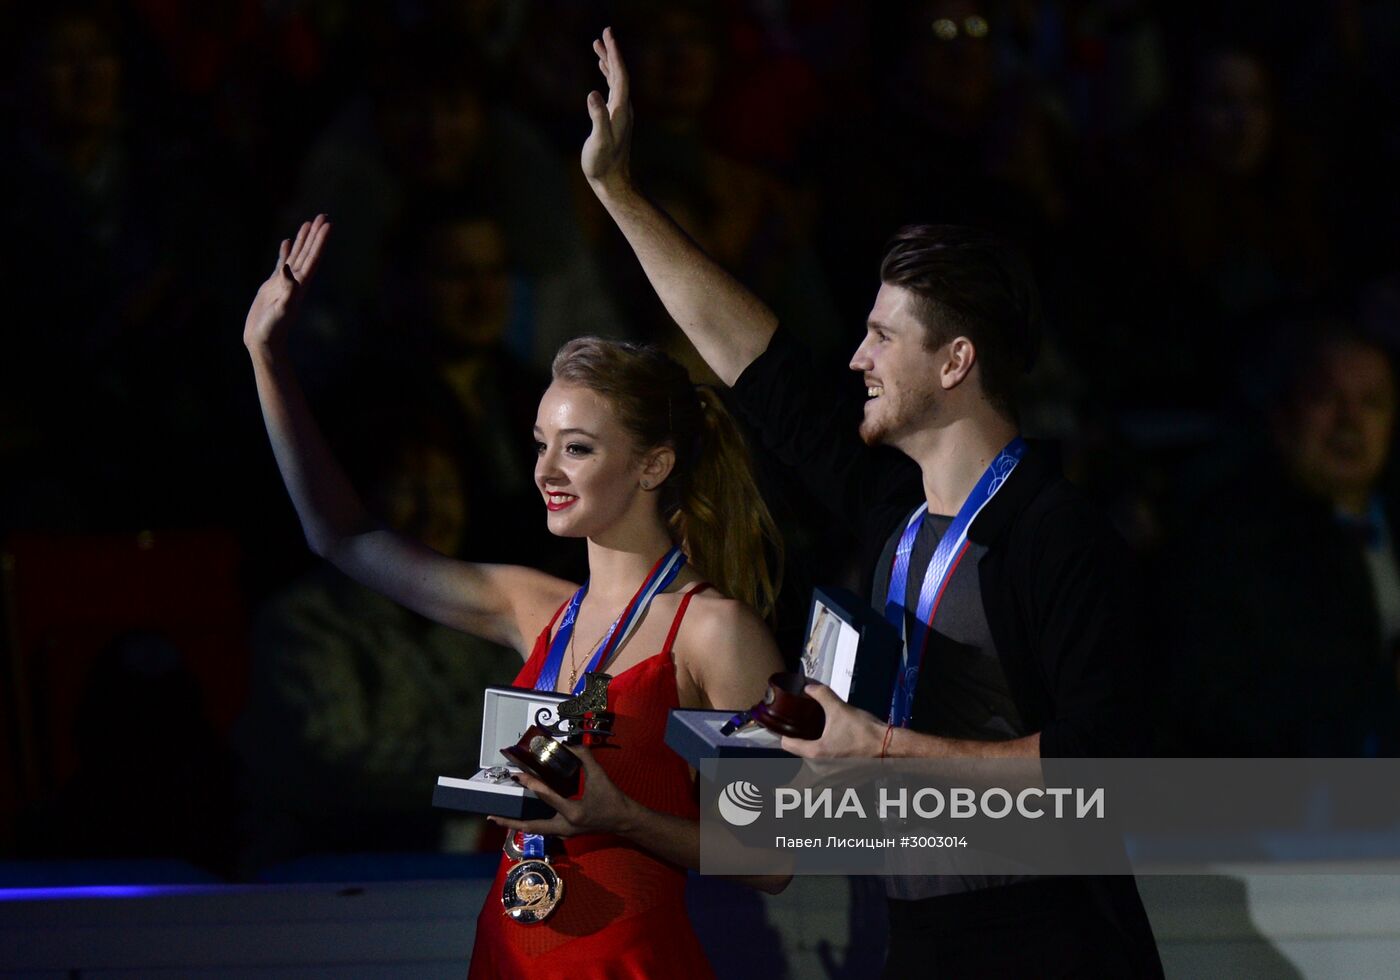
(951,547)
(662,574)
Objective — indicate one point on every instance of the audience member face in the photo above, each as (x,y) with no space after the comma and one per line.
(425,498)
(676,64)
(79,78)
(1336,435)
(1234,113)
(466,287)
(432,136)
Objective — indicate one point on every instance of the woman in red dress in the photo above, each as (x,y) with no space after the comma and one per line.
(638,461)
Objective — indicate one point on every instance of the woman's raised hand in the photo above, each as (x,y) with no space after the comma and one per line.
(278,298)
(606,153)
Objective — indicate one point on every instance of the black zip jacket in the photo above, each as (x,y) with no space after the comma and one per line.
(1059,587)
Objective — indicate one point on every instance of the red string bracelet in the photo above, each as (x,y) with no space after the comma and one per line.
(885,745)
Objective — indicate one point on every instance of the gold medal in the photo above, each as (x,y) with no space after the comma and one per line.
(531,891)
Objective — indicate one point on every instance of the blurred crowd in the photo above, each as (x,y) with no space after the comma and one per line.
(1207,193)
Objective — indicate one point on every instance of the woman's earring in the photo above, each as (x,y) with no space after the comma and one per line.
(646,485)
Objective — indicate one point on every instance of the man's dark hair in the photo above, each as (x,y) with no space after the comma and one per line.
(970,283)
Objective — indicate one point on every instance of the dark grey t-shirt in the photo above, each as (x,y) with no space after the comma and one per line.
(962,691)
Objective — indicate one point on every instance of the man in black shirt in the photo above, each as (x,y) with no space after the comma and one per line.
(1031,652)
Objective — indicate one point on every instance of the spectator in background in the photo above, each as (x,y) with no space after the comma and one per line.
(1231,231)
(357,705)
(1286,599)
(249,71)
(1244,215)
(428,128)
(549,67)
(951,136)
(105,380)
(745,217)
(456,291)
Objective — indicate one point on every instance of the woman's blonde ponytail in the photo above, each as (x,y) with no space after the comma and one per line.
(721,517)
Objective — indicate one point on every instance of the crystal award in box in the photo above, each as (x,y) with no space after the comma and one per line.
(851,649)
(507,714)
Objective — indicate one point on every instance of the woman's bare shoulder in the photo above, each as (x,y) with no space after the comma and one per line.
(717,627)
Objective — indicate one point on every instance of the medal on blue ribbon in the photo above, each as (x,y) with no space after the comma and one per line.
(532,887)
(946,557)
(662,574)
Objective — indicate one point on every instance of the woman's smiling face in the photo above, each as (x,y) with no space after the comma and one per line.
(588,467)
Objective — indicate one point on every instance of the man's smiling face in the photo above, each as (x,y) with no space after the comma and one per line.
(901,374)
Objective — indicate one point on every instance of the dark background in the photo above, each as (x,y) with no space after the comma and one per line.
(1191,181)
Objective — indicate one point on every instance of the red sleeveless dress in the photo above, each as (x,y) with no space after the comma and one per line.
(623,914)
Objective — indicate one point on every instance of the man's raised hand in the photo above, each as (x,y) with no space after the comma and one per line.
(607,150)
(279,297)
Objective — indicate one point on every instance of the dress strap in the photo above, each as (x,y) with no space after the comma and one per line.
(544,636)
(680,614)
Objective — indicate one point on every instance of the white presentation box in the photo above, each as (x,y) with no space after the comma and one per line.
(852,649)
(506,713)
(694,734)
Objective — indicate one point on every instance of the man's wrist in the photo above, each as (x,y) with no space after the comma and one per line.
(875,742)
(904,743)
(616,189)
(267,353)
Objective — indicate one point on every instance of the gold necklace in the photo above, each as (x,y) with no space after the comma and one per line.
(573,655)
(573,649)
